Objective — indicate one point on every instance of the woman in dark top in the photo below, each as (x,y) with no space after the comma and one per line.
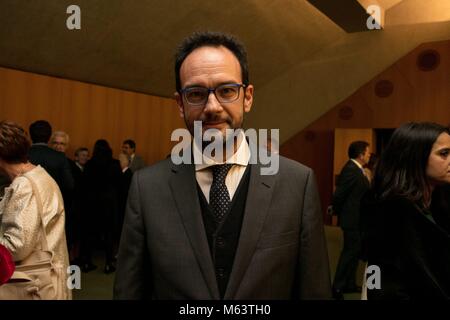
(103,175)
(407,233)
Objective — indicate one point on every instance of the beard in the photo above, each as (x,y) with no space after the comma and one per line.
(215,118)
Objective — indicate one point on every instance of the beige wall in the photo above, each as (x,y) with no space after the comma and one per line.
(90,112)
(311,88)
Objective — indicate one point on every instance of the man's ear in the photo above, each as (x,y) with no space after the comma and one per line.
(248,98)
(179,100)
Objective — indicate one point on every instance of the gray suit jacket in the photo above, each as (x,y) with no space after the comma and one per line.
(137,163)
(164,251)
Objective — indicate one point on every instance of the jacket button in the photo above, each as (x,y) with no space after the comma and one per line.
(220,242)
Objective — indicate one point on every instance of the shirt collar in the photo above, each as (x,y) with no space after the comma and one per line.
(79,166)
(240,157)
(357,163)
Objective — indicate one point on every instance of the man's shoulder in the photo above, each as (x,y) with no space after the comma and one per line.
(154,172)
(290,165)
(350,167)
(47,152)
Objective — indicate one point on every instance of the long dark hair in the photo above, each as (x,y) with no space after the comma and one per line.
(102,151)
(401,170)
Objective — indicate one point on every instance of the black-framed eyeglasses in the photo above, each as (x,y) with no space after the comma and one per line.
(225,93)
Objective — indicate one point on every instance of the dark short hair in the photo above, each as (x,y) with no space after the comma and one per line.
(77,152)
(40,131)
(14,143)
(131,143)
(357,148)
(401,170)
(211,39)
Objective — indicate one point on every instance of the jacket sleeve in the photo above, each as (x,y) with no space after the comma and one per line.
(68,183)
(314,276)
(344,186)
(131,281)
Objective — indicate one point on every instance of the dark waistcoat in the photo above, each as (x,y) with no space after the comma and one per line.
(223,237)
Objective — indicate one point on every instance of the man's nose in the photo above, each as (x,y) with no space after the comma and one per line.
(212,104)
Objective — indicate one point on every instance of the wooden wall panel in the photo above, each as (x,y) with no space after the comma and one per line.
(417,95)
(90,112)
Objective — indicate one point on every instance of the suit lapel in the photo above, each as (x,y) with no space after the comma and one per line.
(184,191)
(258,200)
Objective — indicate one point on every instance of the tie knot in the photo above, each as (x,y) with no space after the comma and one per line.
(220,171)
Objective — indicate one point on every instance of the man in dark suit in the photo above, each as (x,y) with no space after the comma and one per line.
(219,228)
(351,186)
(54,162)
(79,220)
(136,162)
(59,141)
(125,181)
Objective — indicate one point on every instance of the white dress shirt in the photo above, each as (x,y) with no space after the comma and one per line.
(204,175)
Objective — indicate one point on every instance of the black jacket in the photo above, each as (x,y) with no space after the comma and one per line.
(351,185)
(55,163)
(412,251)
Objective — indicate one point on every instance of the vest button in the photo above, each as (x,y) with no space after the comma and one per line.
(220,242)
(220,272)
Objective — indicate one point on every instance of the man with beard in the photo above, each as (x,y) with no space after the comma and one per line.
(217,228)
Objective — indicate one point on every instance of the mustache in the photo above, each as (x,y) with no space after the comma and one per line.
(215,118)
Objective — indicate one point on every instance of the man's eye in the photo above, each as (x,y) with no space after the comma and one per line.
(195,94)
(227,91)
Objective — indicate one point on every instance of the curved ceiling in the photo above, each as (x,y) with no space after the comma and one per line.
(130,44)
(301,62)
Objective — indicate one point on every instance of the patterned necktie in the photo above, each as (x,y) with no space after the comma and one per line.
(219,198)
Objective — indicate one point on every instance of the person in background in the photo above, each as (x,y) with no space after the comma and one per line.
(369,168)
(54,162)
(103,180)
(20,226)
(79,208)
(125,181)
(136,162)
(59,141)
(351,185)
(406,236)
